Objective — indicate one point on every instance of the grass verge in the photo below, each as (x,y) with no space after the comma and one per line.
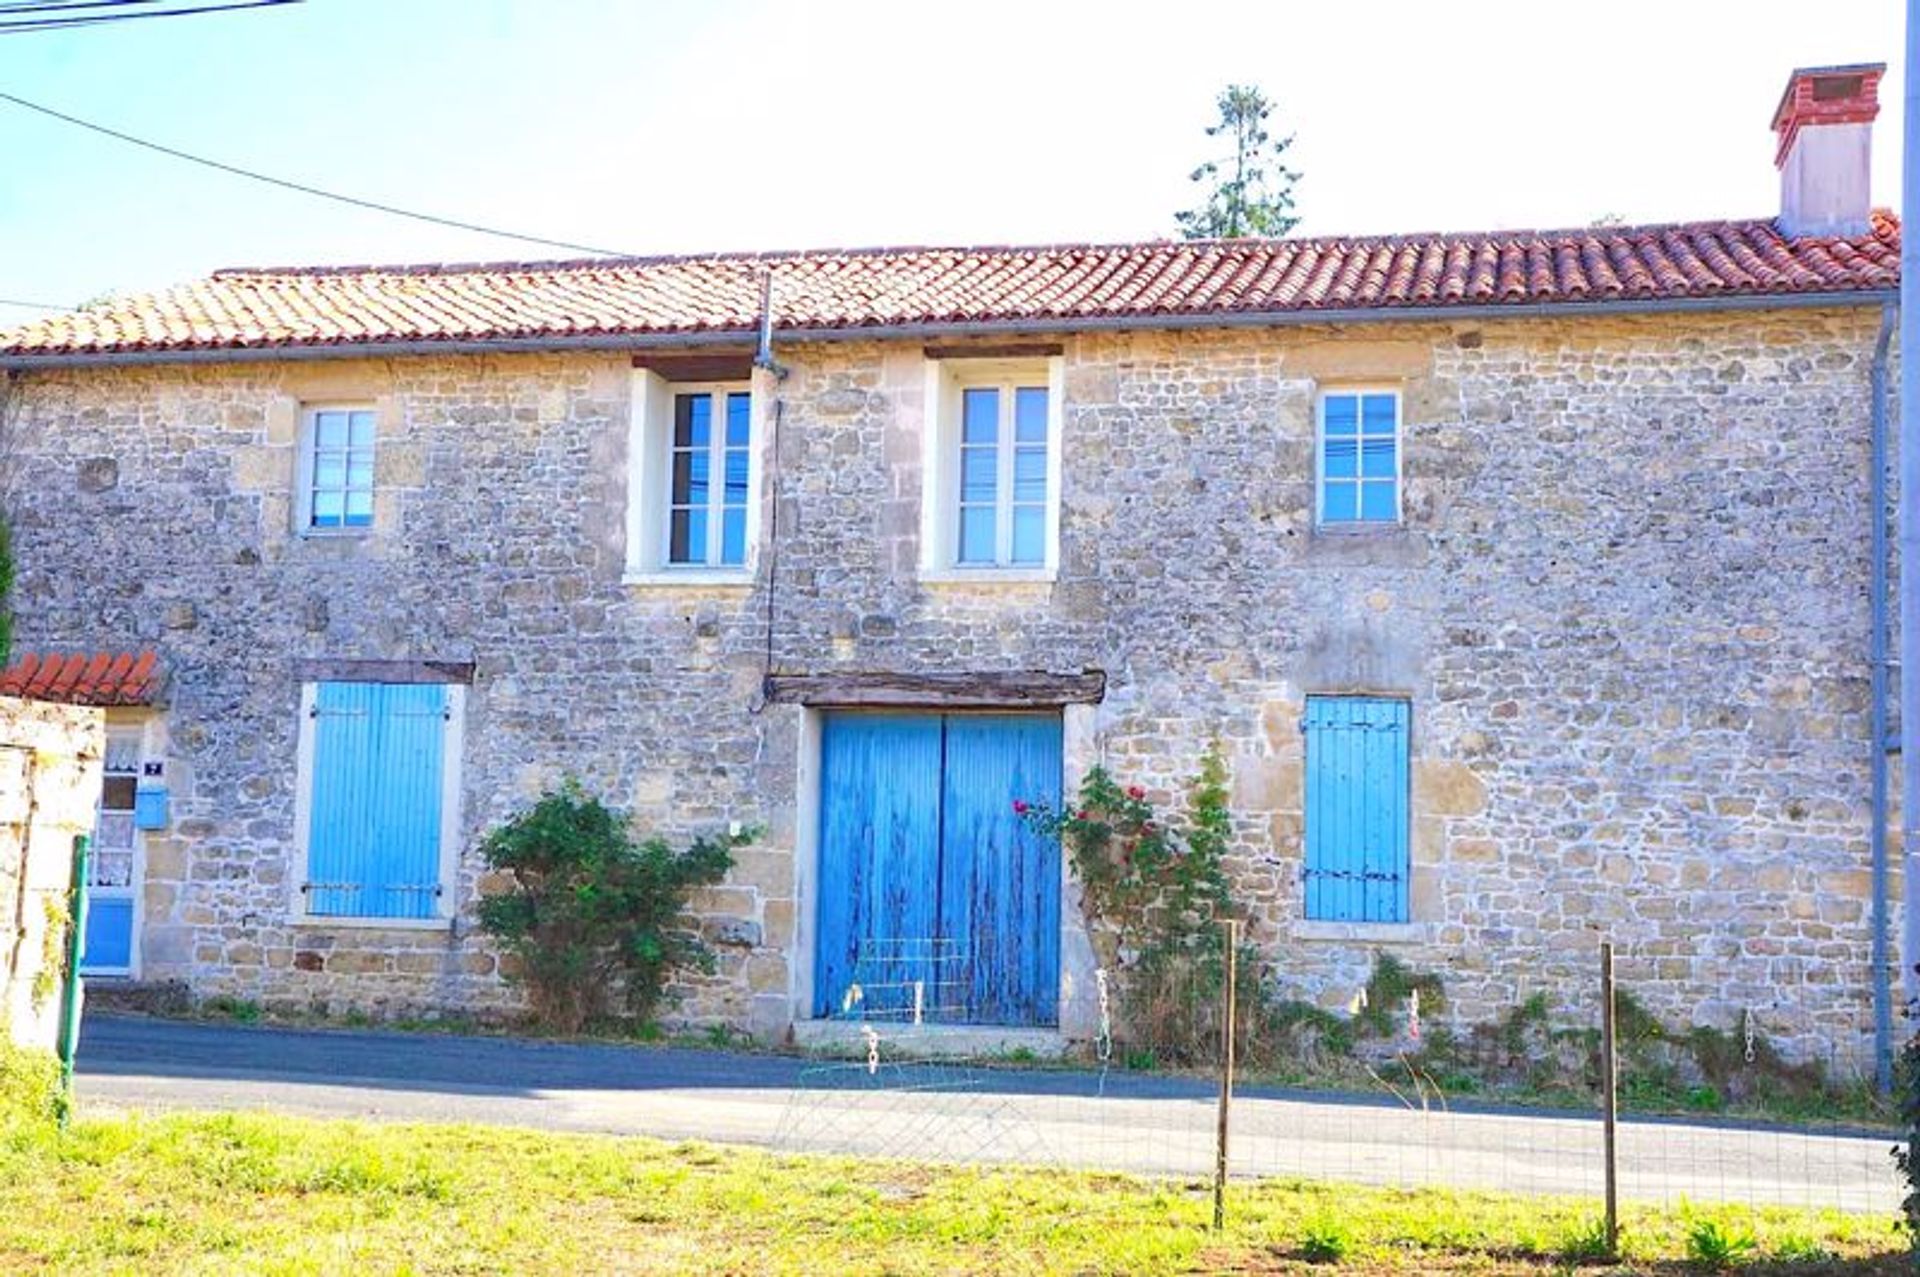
(269,1194)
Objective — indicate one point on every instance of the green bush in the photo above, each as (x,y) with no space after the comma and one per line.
(1715,1248)
(588,912)
(53,951)
(30,1095)
(1798,1249)
(224,1006)
(1907,1155)
(6,574)
(1326,1241)
(1585,1244)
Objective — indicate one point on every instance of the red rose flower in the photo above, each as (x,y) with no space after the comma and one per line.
(1020,807)
(1136,793)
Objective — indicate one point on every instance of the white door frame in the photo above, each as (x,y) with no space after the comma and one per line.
(1079,750)
(131,730)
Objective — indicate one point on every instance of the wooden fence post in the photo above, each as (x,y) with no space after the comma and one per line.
(1610,1096)
(1230,937)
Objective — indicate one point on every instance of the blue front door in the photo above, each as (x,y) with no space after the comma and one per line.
(936,902)
(113,879)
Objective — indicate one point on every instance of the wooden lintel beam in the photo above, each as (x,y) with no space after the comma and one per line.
(1018,689)
(717,365)
(1004,350)
(328,670)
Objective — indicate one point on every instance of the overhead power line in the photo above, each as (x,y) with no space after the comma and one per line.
(285,184)
(15,301)
(52,15)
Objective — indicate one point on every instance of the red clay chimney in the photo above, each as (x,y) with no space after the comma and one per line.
(1825,126)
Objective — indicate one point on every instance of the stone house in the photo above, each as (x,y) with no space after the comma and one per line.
(1523,578)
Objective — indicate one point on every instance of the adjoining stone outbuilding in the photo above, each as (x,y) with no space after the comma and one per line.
(1523,578)
(49,785)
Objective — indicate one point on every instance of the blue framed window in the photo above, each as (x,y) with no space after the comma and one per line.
(378,759)
(708,464)
(1357,866)
(1359,461)
(1003,476)
(338,469)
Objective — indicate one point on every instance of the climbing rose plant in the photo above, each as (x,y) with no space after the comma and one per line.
(1155,889)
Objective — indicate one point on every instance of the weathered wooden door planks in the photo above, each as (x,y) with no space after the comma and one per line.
(930,886)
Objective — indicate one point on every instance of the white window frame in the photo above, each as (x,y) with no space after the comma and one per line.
(306,445)
(650,482)
(1320,520)
(453,753)
(946,379)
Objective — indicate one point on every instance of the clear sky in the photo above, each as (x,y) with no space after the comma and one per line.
(744,124)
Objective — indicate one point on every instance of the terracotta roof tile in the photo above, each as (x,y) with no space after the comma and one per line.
(82,678)
(874,288)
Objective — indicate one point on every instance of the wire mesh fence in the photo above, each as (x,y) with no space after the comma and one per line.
(1384,1090)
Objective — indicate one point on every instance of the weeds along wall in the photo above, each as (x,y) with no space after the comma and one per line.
(1626,606)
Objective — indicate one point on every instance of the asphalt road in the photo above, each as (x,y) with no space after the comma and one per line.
(1119,1122)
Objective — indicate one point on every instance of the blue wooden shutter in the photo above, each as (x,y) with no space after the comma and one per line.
(1357,866)
(373,847)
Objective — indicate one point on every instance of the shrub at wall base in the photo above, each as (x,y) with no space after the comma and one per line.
(1906,1155)
(590,913)
(30,1094)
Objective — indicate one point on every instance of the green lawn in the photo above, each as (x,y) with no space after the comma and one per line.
(266,1194)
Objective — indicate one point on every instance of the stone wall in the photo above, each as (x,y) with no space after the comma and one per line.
(49,786)
(1628,605)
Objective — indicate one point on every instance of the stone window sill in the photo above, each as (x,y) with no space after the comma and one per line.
(322,922)
(691,580)
(1366,545)
(988,577)
(1365,932)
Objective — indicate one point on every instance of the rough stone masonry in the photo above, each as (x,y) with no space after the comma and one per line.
(1628,603)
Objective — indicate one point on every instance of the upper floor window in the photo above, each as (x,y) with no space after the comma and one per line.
(1003,475)
(1359,457)
(992,500)
(693,479)
(336,469)
(709,463)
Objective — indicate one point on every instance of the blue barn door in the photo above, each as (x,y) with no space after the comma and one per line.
(999,883)
(879,837)
(932,893)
